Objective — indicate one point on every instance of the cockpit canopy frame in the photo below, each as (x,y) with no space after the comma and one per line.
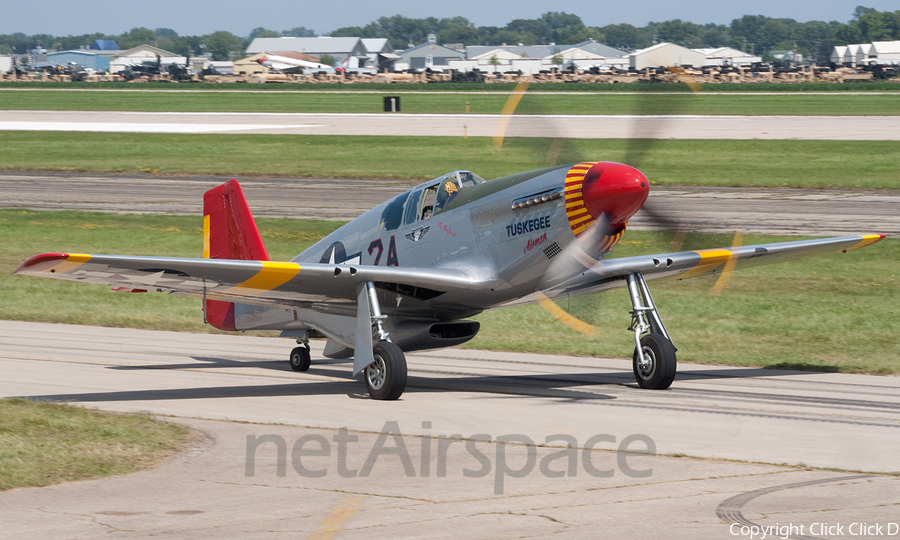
(427,199)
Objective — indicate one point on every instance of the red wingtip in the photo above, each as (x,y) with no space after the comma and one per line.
(40,259)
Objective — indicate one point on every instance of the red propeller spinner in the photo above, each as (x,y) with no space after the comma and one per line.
(613,192)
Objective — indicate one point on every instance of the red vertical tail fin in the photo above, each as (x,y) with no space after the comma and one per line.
(229,232)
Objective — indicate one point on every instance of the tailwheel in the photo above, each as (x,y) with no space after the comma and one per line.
(655,369)
(300,358)
(386,376)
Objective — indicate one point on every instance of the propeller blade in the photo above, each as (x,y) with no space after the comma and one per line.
(651,111)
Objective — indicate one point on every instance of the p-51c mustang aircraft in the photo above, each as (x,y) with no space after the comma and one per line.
(407,274)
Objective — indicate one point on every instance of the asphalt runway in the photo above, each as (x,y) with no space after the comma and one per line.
(768,211)
(842,128)
(244,400)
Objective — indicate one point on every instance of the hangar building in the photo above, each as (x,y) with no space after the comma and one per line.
(666,54)
(340,48)
(427,55)
(86,58)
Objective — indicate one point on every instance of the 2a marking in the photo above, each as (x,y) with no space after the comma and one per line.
(377,244)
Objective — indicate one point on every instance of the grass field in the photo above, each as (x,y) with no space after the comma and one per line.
(834,313)
(737,103)
(48,443)
(810,164)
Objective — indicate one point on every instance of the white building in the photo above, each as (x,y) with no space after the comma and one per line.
(884,53)
(837,55)
(530,60)
(726,56)
(666,55)
(148,53)
(851,54)
(138,55)
(863,54)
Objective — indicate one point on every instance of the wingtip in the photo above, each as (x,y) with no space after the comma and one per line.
(866,240)
(54,262)
(40,260)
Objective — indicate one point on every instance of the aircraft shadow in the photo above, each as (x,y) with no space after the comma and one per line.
(566,387)
(626,377)
(509,385)
(214,362)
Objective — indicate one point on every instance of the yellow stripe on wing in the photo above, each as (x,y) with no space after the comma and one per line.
(867,240)
(709,260)
(272,276)
(73,261)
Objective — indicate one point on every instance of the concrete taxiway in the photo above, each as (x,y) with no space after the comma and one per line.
(838,128)
(240,393)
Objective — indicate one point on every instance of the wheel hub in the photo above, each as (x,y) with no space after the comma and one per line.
(375,373)
(647,364)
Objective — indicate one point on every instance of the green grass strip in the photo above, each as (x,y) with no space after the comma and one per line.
(834,313)
(803,87)
(49,443)
(793,104)
(796,164)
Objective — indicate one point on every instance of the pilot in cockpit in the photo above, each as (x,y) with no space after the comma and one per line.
(448,189)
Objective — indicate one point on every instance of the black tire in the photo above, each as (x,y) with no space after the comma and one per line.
(300,359)
(659,372)
(386,376)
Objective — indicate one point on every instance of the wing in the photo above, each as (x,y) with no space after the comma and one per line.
(608,273)
(687,264)
(251,282)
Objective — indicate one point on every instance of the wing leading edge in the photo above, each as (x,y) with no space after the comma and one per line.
(283,284)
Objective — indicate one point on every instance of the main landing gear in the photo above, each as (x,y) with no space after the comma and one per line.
(654,354)
(386,376)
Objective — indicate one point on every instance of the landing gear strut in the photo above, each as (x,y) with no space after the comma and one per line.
(654,360)
(386,376)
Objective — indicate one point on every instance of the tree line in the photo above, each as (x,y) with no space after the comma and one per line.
(752,33)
